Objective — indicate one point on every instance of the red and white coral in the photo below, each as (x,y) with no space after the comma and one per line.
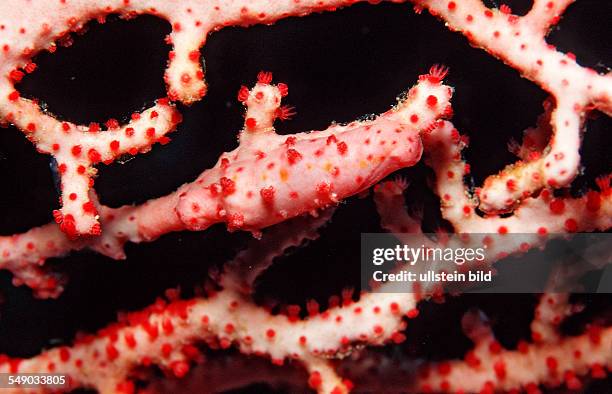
(269,178)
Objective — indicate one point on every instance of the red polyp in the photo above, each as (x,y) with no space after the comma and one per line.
(264,77)
(314,381)
(267,194)
(228,186)
(293,156)
(432,101)
(250,123)
(13,96)
(557,206)
(94,156)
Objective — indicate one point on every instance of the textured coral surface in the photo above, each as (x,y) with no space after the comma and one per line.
(235,198)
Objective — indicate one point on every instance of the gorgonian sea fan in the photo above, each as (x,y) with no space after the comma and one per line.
(273,180)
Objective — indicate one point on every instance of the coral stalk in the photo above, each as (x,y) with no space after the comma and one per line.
(269,178)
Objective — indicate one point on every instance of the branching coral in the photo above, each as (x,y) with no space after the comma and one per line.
(266,180)
(269,179)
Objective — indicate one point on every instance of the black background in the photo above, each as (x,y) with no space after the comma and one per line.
(339,66)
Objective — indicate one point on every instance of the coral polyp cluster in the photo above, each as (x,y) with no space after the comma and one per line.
(283,189)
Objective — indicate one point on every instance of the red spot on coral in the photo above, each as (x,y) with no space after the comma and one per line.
(264,77)
(76,150)
(598,371)
(64,354)
(167,326)
(437,73)
(472,360)
(130,341)
(323,189)
(179,368)
(194,56)
(293,156)
(444,368)
(89,207)
(432,101)
(16,75)
(283,89)
(166,349)
(151,330)
(243,94)
(111,352)
(495,347)
(267,194)
(13,96)
(94,127)
(94,156)
(557,206)
(571,225)
(112,124)
(227,186)
(250,123)
(314,380)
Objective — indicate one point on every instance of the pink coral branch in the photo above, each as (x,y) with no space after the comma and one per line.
(549,217)
(164,333)
(488,367)
(520,43)
(269,178)
(546,214)
(78,148)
